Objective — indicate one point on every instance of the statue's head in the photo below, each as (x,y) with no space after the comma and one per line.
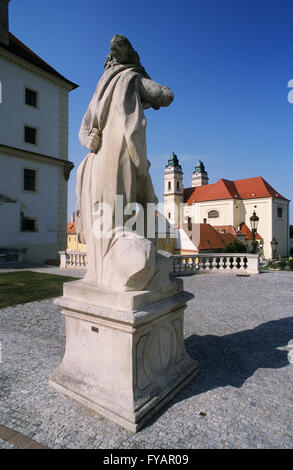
(122,52)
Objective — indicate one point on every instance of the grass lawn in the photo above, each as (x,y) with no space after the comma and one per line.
(27,286)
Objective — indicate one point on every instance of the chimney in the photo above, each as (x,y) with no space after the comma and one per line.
(4,23)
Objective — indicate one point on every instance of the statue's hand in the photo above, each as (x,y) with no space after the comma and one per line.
(94,140)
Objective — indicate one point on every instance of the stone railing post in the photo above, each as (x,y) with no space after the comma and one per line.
(62,259)
(252,264)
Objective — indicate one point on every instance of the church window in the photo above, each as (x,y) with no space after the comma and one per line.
(169,185)
(280,212)
(213,214)
(178,186)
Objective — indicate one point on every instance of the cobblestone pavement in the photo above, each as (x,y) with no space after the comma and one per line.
(237,327)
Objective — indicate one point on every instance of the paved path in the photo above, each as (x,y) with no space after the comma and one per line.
(238,328)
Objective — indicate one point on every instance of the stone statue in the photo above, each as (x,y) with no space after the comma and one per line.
(125,356)
(114,130)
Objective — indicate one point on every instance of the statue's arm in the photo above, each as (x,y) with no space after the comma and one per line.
(89,136)
(154,95)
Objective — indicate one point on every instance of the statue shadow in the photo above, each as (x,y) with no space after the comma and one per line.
(230,360)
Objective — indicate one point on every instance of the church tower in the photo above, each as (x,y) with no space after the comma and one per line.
(199,176)
(173,192)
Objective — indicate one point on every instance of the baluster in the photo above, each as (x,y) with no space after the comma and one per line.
(242,263)
(214,263)
(185,263)
(193,263)
(221,263)
(200,263)
(235,263)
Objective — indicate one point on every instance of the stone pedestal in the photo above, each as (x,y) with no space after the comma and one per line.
(125,356)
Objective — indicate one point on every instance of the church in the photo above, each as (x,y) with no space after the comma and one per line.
(227,206)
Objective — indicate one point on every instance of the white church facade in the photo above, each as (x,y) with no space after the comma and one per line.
(227,203)
(33,150)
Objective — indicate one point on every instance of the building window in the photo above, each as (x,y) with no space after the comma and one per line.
(280,212)
(31,97)
(178,186)
(169,185)
(213,215)
(169,215)
(28,224)
(30,135)
(29,180)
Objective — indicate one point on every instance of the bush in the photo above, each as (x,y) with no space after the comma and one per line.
(282,265)
(290,264)
(234,247)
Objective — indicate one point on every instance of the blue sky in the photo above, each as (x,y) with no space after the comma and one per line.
(227,62)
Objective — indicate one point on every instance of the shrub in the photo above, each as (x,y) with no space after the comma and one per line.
(290,264)
(234,247)
(282,265)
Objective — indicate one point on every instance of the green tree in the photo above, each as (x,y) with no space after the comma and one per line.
(235,246)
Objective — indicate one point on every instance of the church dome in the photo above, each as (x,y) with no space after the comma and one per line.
(173,160)
(199,167)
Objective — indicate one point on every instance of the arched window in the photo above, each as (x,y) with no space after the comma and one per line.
(213,214)
(178,186)
(169,185)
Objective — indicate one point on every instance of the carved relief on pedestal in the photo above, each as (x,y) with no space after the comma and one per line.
(158,350)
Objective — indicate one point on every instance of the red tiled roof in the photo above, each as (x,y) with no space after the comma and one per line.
(228,229)
(244,230)
(71,228)
(21,50)
(249,188)
(211,239)
(248,233)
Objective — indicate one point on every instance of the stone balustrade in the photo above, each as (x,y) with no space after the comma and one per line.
(73,259)
(238,263)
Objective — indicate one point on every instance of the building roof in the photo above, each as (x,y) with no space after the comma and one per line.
(199,167)
(21,50)
(249,188)
(173,160)
(226,229)
(206,238)
(248,233)
(243,230)
(71,229)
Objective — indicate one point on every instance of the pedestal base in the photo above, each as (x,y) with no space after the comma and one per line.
(123,363)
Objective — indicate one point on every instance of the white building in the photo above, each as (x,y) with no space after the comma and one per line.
(34,166)
(227,203)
